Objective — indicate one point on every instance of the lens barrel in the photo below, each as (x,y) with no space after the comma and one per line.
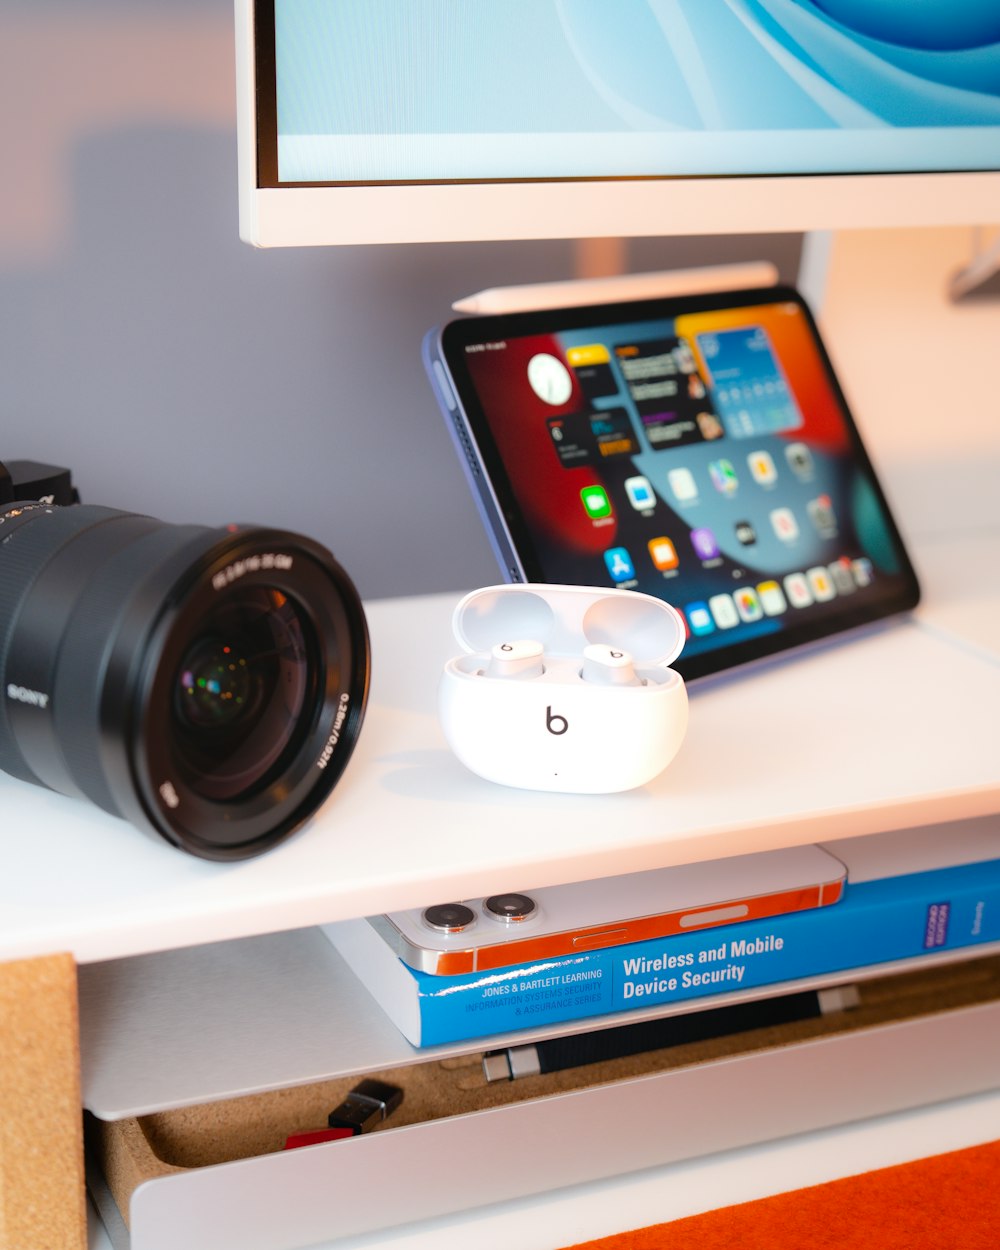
(207,684)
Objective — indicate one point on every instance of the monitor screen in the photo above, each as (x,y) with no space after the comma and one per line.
(687,113)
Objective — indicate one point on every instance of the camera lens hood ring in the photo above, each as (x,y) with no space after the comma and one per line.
(271,812)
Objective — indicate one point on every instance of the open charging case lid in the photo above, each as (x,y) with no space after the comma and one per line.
(565,619)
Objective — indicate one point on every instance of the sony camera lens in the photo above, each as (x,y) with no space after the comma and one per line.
(449,917)
(208,684)
(510,908)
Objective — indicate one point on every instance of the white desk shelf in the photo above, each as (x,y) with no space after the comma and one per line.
(892,728)
(897,728)
(179,1028)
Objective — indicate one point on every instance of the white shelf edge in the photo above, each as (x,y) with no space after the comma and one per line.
(180,1028)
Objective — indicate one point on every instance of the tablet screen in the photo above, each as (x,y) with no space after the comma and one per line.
(698,450)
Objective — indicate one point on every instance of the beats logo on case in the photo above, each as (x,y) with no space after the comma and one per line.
(565,688)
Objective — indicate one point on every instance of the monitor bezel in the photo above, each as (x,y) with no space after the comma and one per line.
(310,214)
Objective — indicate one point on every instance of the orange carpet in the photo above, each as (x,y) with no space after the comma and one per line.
(949,1201)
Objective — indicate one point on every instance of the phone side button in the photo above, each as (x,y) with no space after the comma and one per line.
(444,386)
(592,941)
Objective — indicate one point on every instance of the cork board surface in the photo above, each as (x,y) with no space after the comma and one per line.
(132,1151)
(41,1143)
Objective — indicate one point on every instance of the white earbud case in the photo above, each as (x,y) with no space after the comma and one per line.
(557,729)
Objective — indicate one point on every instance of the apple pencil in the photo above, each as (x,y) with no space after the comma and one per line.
(577,1050)
(619,288)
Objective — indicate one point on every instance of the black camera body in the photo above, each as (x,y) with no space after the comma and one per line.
(43,483)
(207,684)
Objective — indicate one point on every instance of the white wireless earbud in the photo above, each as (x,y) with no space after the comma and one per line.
(608,666)
(522,658)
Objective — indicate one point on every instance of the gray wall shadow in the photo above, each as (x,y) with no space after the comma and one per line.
(181,373)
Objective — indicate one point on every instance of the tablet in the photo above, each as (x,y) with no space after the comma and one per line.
(699,449)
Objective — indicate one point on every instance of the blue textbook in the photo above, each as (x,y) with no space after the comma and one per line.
(877,922)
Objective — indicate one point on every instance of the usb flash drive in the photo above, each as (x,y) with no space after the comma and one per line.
(365,1106)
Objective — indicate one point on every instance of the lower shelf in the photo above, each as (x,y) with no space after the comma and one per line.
(216,1175)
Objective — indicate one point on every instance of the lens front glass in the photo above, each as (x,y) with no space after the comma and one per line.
(449,917)
(240,691)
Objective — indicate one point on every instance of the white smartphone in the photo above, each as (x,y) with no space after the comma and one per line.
(479,934)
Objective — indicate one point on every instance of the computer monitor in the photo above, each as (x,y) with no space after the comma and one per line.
(434,120)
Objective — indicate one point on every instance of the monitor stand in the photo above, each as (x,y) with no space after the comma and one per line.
(980,278)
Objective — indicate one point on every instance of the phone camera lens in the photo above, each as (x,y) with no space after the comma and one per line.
(449,917)
(510,908)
